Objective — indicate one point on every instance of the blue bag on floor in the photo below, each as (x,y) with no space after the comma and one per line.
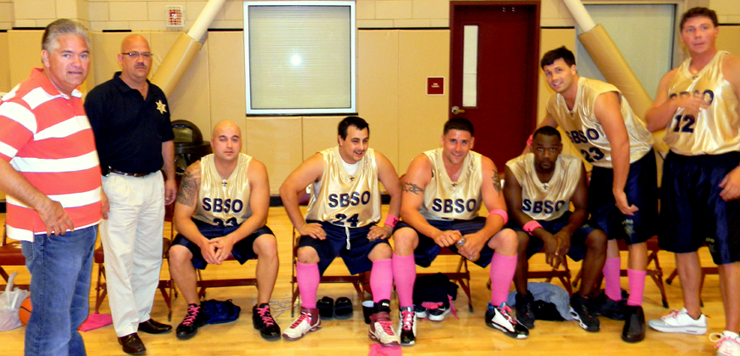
(219,312)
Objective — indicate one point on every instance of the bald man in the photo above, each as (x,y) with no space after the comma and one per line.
(221,209)
(130,118)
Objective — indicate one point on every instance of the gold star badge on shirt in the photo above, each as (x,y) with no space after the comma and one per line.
(161,107)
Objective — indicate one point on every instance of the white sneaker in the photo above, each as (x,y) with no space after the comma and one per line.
(381,330)
(307,322)
(439,314)
(679,321)
(421,312)
(727,343)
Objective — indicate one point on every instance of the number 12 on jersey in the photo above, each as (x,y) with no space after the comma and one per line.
(688,126)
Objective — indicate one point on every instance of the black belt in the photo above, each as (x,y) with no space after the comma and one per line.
(137,175)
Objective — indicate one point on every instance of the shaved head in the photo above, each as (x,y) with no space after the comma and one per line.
(226,126)
(131,41)
(226,141)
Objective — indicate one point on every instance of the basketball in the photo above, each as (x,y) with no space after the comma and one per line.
(24,313)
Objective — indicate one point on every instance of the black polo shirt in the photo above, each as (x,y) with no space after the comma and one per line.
(129,129)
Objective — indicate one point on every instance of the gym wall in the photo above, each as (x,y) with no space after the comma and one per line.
(399,44)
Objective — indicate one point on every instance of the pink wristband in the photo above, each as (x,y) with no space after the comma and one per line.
(391,221)
(529,141)
(500,213)
(530,226)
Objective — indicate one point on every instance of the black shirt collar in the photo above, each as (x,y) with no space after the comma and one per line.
(122,86)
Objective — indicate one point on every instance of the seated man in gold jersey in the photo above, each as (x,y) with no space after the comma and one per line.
(539,189)
(341,220)
(443,191)
(221,210)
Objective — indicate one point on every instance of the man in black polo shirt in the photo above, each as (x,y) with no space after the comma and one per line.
(131,122)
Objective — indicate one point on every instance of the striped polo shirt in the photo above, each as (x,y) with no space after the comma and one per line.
(46,137)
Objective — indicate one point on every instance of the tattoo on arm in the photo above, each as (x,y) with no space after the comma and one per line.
(412,188)
(188,193)
(496,182)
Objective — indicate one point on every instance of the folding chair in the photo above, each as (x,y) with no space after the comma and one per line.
(10,255)
(358,281)
(461,275)
(655,272)
(562,273)
(165,286)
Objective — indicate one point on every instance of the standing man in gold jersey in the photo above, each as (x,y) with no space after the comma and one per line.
(622,196)
(341,220)
(701,178)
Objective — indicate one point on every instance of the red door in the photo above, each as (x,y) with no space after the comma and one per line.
(493,75)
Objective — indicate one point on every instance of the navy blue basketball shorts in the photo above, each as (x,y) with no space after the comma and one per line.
(355,255)
(641,190)
(693,213)
(427,251)
(242,250)
(577,241)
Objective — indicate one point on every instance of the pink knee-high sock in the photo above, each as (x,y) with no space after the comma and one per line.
(637,286)
(502,273)
(308,278)
(404,274)
(381,280)
(611,271)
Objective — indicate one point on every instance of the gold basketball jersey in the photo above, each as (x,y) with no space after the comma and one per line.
(343,199)
(546,201)
(223,202)
(587,133)
(717,129)
(445,199)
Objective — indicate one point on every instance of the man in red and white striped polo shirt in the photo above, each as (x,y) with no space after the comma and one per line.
(50,173)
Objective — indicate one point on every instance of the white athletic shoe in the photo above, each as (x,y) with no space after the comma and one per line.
(381,330)
(679,321)
(727,343)
(307,322)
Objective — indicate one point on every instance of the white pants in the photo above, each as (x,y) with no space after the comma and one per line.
(132,241)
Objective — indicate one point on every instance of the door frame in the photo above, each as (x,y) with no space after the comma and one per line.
(531,77)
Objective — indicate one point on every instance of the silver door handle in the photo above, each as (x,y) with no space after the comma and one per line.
(456,110)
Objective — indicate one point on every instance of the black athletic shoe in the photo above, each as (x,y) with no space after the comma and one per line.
(580,311)
(524,312)
(325,306)
(604,306)
(193,320)
(407,326)
(264,322)
(634,325)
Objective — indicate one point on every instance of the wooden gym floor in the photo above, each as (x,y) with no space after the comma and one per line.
(467,335)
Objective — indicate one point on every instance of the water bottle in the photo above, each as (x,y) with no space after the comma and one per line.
(460,243)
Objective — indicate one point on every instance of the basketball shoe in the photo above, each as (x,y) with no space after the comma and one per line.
(727,343)
(308,321)
(407,326)
(500,318)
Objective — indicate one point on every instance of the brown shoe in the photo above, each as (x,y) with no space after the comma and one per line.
(132,345)
(152,327)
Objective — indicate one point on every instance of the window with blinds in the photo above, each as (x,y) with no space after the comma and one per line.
(300,57)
